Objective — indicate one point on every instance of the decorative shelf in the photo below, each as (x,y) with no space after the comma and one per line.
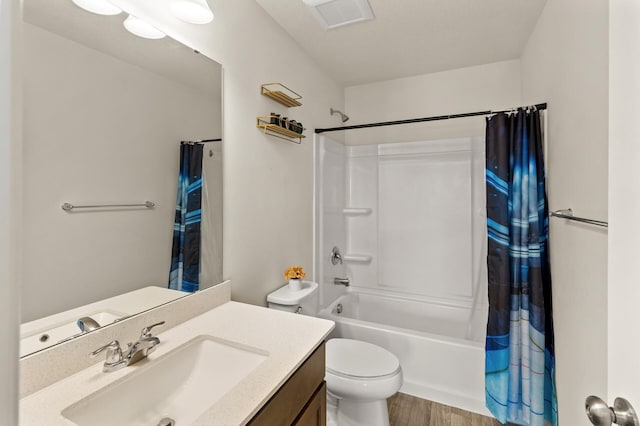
(357,258)
(281,94)
(278,131)
(356,211)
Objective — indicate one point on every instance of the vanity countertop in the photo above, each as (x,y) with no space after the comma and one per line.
(289,340)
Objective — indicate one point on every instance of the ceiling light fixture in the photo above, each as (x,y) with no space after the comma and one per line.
(336,13)
(100,7)
(192,11)
(142,29)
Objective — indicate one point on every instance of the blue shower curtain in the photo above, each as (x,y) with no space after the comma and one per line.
(185,253)
(520,360)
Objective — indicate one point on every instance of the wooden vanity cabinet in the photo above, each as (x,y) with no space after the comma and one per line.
(302,400)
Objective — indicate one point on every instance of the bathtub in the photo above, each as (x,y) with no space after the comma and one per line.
(429,337)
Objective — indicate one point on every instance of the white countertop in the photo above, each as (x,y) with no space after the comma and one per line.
(288,338)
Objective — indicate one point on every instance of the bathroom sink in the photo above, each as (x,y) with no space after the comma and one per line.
(181,385)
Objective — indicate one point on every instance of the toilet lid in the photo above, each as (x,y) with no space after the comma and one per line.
(359,359)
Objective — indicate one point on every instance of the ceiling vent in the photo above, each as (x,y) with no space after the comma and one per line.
(336,13)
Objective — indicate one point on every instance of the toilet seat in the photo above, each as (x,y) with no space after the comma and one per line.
(360,360)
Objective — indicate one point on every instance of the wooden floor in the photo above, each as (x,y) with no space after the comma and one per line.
(407,410)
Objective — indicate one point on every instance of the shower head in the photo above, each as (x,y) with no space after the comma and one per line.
(344,116)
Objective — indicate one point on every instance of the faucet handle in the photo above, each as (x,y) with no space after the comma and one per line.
(146,332)
(114,352)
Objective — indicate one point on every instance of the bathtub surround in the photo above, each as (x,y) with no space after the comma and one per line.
(409,221)
(520,355)
(185,252)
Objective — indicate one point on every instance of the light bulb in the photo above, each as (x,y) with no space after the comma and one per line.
(142,29)
(101,7)
(192,11)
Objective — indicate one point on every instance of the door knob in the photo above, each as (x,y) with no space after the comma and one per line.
(600,414)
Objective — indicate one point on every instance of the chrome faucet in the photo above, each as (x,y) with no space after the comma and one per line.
(116,359)
(87,324)
(145,344)
(342,281)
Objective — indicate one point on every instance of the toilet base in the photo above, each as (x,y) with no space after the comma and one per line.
(356,413)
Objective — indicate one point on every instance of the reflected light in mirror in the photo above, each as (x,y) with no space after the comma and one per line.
(100,7)
(142,29)
(192,11)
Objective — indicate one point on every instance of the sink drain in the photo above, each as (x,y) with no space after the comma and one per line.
(167,421)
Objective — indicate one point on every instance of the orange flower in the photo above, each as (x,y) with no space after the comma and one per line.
(294,272)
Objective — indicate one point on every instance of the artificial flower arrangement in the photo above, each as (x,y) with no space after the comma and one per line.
(294,273)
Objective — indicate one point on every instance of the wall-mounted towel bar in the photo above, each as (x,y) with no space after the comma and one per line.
(68,207)
(568,214)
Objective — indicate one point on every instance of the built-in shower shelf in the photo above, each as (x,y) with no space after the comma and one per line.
(356,211)
(357,258)
(281,94)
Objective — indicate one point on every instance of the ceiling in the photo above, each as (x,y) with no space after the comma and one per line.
(411,37)
(165,57)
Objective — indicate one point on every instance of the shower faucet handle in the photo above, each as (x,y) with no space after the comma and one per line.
(336,257)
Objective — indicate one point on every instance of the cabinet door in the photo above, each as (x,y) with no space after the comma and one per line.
(286,405)
(315,412)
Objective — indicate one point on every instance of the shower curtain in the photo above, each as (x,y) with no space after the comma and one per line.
(520,361)
(185,253)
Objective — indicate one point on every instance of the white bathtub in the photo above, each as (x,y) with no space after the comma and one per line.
(438,361)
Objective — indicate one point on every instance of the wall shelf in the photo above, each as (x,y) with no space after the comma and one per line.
(357,258)
(278,131)
(356,211)
(281,94)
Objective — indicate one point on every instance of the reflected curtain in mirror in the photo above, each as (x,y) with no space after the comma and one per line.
(520,360)
(185,252)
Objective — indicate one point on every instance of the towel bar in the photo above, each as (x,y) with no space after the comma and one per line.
(568,214)
(68,207)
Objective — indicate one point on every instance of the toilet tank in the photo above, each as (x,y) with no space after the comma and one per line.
(303,301)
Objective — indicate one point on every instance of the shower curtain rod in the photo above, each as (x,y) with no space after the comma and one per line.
(421,120)
(203,141)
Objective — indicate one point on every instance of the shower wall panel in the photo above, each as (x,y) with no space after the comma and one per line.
(425,223)
(424,232)
(362,229)
(330,203)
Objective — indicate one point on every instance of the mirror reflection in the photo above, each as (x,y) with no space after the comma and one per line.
(104,115)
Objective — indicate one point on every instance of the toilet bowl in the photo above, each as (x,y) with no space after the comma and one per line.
(360,376)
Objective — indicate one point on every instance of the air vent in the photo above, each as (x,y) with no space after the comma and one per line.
(337,13)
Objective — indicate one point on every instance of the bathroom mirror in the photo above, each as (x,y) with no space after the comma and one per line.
(104,114)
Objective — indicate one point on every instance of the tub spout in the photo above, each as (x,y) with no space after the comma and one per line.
(341,281)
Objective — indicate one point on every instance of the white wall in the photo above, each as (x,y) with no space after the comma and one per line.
(268,182)
(624,200)
(9,211)
(99,130)
(479,88)
(565,63)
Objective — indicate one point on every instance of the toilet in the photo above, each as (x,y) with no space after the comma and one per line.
(360,376)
